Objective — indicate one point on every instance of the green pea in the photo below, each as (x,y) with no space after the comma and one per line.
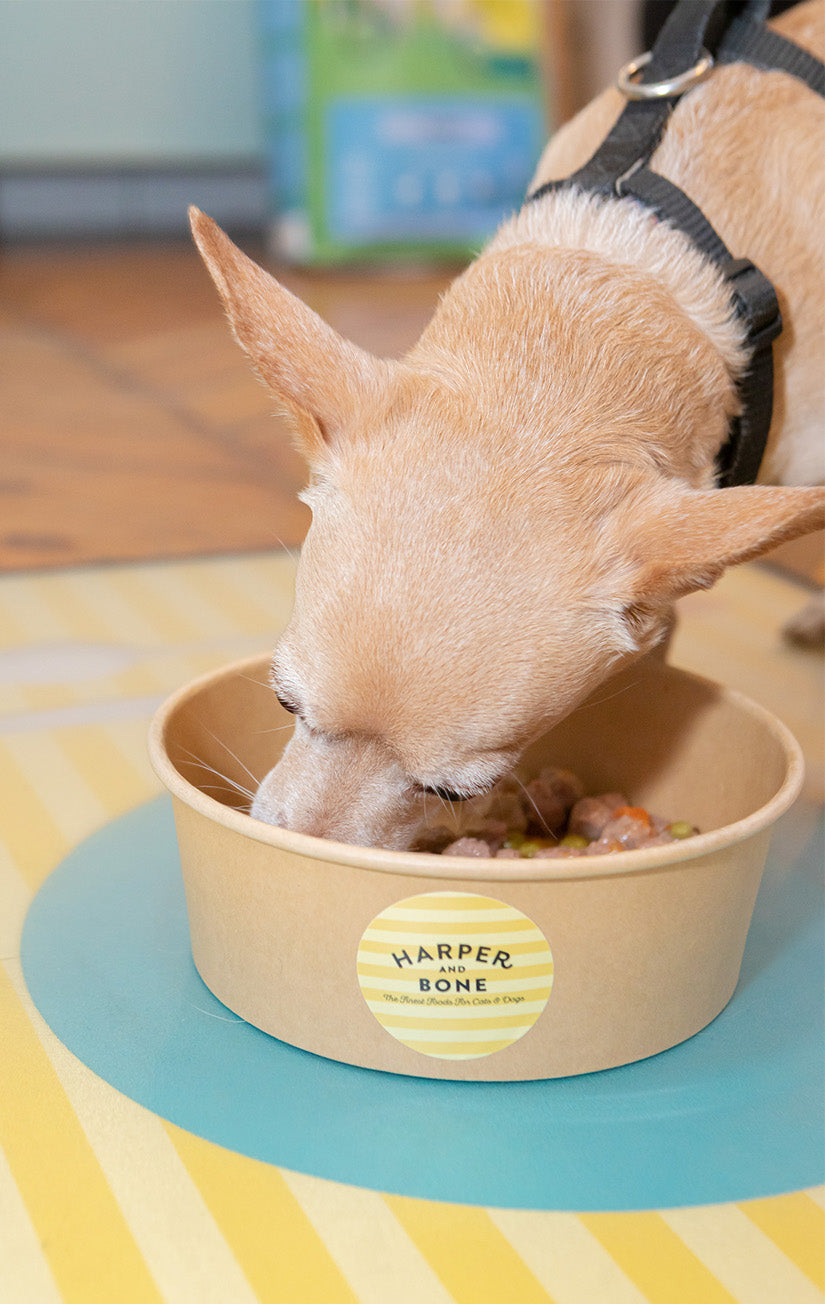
(514,839)
(681,829)
(529,849)
(574,840)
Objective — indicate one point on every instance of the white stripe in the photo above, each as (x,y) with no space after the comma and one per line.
(269,582)
(184,1249)
(741,1256)
(99,589)
(130,738)
(566,1258)
(817,1194)
(73,806)
(25,1276)
(64,717)
(24,605)
(405,984)
(376,1255)
(15,898)
(171,585)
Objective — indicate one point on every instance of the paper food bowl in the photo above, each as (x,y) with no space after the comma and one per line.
(487,970)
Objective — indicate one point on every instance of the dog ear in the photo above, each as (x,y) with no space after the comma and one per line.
(687,541)
(320,378)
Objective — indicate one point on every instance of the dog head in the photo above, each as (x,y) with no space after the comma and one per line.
(472,571)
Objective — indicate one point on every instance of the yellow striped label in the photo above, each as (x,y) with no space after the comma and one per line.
(454,975)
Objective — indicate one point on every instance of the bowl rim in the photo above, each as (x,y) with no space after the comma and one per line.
(420,864)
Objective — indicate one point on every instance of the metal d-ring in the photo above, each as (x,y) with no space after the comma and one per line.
(660,90)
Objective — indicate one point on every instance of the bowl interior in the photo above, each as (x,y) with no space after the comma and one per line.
(682,746)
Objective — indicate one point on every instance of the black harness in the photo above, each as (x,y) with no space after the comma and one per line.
(698,35)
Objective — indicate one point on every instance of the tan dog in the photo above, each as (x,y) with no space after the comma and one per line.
(505,517)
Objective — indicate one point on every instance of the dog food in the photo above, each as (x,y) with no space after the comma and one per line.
(552,816)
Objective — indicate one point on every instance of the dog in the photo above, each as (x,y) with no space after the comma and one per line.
(504,518)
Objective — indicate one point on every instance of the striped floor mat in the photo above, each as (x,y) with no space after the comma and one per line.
(102,1201)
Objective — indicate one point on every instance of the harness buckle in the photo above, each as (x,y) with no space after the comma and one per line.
(661,90)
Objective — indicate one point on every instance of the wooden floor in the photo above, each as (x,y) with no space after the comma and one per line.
(131,426)
(130,423)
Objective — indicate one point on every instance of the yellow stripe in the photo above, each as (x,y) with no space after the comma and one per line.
(173,586)
(153,1197)
(279,1250)
(377,1256)
(48,696)
(456,928)
(468,1252)
(656,1259)
(138,594)
(90,1250)
(386,966)
(458,901)
(566,1259)
(796,1224)
(232,605)
(422,1023)
(395,986)
(472,1048)
(24,1272)
(129,736)
(29,831)
(25,615)
(99,589)
(75,808)
(83,619)
(744,1259)
(530,979)
(102,765)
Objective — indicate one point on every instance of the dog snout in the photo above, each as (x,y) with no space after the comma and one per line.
(347,791)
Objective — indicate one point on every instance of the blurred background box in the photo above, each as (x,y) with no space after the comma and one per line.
(398,127)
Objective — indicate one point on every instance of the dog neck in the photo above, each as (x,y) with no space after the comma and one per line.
(624,232)
(601,331)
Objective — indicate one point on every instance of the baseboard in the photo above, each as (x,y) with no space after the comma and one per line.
(39,202)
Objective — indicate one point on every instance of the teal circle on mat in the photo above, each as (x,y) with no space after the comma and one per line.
(734,1113)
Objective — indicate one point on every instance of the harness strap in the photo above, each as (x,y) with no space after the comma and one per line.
(747,41)
(694,29)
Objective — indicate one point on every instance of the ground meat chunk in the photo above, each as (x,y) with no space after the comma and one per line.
(627,831)
(590,814)
(552,795)
(508,807)
(550,817)
(468,847)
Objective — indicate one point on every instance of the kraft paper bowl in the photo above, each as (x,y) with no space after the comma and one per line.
(488,970)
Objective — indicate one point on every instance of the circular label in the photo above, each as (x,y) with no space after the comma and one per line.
(455,975)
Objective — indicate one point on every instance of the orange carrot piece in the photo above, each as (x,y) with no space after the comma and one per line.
(636,813)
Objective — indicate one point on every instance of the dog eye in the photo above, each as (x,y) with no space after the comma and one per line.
(446,794)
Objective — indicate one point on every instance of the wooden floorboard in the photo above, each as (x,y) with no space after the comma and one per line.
(131,426)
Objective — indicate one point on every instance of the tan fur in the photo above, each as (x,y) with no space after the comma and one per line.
(505,516)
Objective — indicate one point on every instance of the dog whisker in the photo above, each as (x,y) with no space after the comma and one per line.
(539,815)
(221,743)
(202,765)
(601,700)
(260,683)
